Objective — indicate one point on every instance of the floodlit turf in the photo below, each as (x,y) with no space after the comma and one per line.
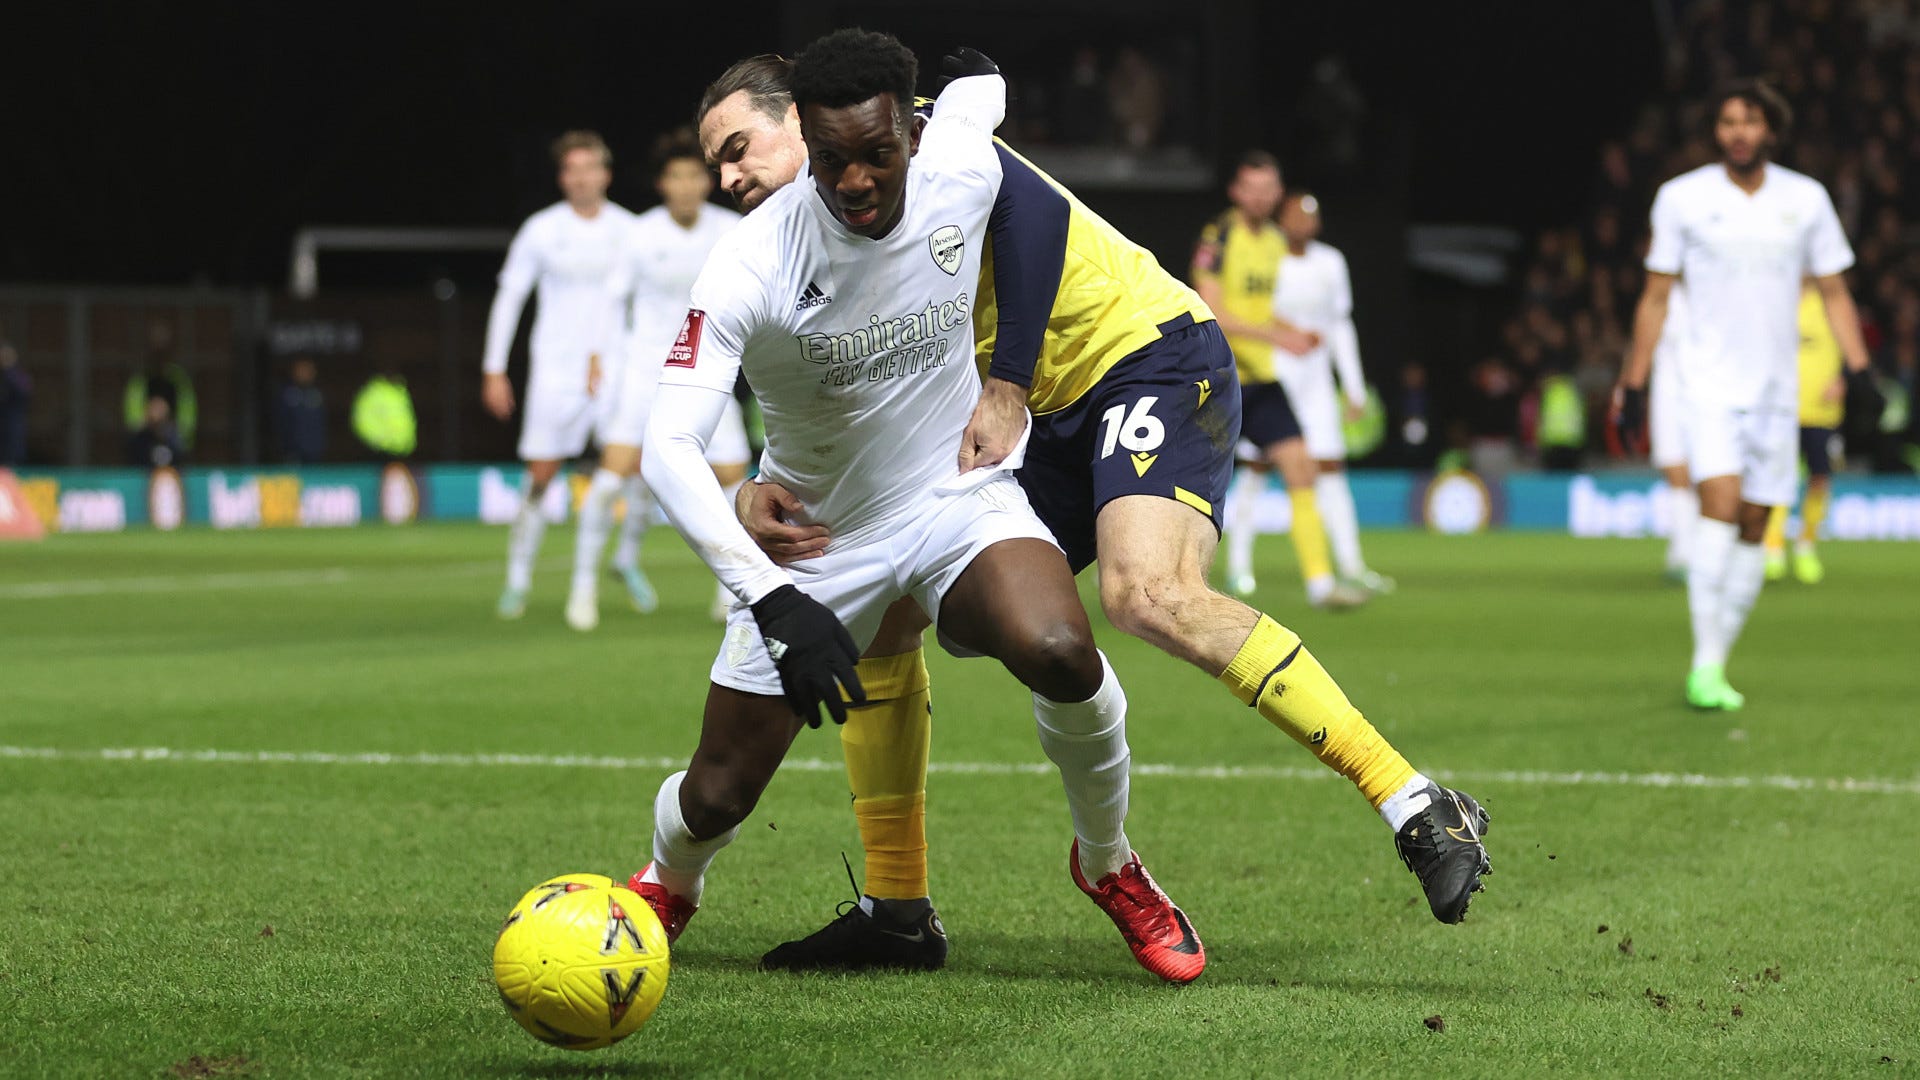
(334,917)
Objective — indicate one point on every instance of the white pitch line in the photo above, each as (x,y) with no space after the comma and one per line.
(330,575)
(1522,777)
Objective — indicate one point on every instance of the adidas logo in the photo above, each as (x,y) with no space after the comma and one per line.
(812,298)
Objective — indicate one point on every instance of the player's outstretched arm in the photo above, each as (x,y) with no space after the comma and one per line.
(517,278)
(810,647)
(673,460)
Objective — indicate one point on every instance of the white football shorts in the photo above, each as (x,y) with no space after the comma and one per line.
(557,422)
(1760,446)
(921,557)
(1316,405)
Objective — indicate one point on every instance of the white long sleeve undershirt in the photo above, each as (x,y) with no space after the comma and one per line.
(673,460)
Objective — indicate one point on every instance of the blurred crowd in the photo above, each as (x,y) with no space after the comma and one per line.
(1124,97)
(1852,73)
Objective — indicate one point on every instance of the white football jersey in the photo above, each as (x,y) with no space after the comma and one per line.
(1315,293)
(656,274)
(860,351)
(570,259)
(1742,258)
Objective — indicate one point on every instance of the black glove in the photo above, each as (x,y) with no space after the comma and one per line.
(813,651)
(962,62)
(1629,418)
(1864,399)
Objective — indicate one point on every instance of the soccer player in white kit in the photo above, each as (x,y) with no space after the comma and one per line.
(866,394)
(567,251)
(1667,414)
(1315,294)
(662,255)
(1740,233)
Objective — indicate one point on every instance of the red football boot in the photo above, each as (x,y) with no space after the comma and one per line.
(1157,931)
(674,911)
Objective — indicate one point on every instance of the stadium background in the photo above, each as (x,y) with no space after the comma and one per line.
(1487,176)
(268,794)
(188,146)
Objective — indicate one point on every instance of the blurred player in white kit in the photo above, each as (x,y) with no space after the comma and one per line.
(662,255)
(1741,233)
(1315,293)
(568,251)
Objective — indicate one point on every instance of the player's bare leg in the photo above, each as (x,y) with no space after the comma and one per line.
(1153,556)
(893,924)
(743,739)
(1686,514)
(1724,578)
(1296,466)
(1017,603)
(1807,568)
(523,538)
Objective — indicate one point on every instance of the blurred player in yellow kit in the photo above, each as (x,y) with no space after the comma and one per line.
(1823,401)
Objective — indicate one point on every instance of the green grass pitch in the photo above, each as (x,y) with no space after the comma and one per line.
(333,916)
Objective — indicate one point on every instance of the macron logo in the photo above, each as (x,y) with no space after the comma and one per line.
(812,298)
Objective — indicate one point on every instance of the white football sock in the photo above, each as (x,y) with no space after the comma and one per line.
(1319,588)
(1686,514)
(1408,801)
(1706,577)
(679,861)
(1243,500)
(1342,522)
(633,527)
(523,539)
(596,521)
(1746,573)
(1087,741)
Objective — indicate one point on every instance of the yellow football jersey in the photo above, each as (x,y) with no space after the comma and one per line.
(1819,363)
(1064,296)
(1245,259)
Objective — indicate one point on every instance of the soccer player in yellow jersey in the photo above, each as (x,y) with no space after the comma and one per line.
(1823,400)
(1124,387)
(1236,268)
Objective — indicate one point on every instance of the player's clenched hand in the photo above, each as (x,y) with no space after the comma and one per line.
(1626,414)
(812,650)
(767,512)
(1294,340)
(996,425)
(496,393)
(594,374)
(1867,401)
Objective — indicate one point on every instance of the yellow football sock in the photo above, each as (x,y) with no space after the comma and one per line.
(1274,672)
(1776,538)
(1813,511)
(1309,535)
(885,742)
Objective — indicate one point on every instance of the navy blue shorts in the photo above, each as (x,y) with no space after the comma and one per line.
(1816,447)
(1162,422)
(1268,414)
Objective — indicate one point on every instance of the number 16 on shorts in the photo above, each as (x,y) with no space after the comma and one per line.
(1135,429)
